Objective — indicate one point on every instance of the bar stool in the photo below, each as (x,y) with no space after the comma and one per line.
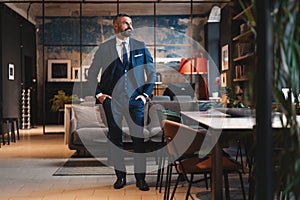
(11,123)
(5,132)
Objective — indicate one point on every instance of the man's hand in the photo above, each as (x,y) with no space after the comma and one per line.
(141,97)
(103,97)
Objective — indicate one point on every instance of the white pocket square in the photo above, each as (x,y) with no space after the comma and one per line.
(138,55)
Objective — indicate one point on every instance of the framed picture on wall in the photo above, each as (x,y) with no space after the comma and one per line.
(225,57)
(59,70)
(76,74)
(85,72)
(223,79)
(11,72)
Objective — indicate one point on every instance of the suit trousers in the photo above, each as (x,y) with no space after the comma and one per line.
(133,112)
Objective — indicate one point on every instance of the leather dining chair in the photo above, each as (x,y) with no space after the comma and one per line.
(164,114)
(183,144)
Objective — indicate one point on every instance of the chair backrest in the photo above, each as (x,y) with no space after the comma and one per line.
(183,98)
(161,98)
(89,101)
(166,114)
(181,139)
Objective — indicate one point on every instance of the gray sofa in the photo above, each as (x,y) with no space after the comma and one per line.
(88,125)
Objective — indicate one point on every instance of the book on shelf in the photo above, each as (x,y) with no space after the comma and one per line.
(244,28)
(239,71)
(243,49)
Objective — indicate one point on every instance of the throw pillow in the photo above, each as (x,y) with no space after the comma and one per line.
(87,116)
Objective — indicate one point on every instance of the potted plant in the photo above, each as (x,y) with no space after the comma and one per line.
(286,18)
(286,59)
(60,99)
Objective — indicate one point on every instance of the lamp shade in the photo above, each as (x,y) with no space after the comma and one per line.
(193,66)
(201,65)
(185,66)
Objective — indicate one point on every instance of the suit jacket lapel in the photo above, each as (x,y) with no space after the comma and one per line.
(114,57)
(132,52)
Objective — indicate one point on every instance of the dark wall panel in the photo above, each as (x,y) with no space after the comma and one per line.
(212,36)
(1,74)
(17,37)
(226,37)
(10,55)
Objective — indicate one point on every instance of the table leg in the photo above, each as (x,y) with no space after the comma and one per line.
(156,90)
(67,123)
(217,173)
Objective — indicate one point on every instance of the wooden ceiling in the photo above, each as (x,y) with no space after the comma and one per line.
(32,9)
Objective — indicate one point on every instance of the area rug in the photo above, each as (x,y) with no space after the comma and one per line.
(94,167)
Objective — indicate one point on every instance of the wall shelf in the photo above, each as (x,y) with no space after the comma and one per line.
(242,14)
(244,36)
(243,51)
(248,55)
(240,79)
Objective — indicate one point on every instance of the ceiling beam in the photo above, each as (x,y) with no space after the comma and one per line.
(21,12)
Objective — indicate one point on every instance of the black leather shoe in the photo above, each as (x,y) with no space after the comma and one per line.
(120,183)
(142,185)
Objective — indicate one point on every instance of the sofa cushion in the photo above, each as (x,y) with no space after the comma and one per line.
(92,134)
(100,135)
(124,123)
(87,116)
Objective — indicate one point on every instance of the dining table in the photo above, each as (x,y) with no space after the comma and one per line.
(220,125)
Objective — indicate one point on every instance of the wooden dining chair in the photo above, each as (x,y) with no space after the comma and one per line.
(183,144)
(164,114)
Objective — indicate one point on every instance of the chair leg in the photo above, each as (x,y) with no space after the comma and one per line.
(249,159)
(242,185)
(158,178)
(13,135)
(240,153)
(161,179)
(168,182)
(251,188)
(158,172)
(226,184)
(8,130)
(176,184)
(205,179)
(3,133)
(17,127)
(238,149)
(188,193)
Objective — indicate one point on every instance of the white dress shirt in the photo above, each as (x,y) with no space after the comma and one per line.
(119,47)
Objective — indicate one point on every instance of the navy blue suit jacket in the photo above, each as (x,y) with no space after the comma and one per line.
(141,62)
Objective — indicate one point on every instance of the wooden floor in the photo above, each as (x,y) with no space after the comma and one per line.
(27,167)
